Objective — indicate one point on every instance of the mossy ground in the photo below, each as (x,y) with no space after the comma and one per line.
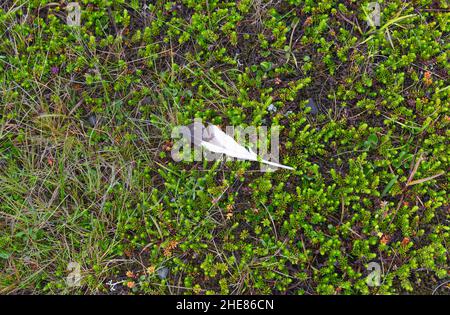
(86,174)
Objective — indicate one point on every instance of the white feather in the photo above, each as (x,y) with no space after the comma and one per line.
(220,142)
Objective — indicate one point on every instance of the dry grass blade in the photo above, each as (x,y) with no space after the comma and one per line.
(414,171)
(423,180)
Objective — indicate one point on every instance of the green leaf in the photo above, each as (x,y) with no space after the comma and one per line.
(266,66)
(4,254)
(373,139)
(389,186)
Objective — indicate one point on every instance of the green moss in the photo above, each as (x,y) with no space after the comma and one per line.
(85,134)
